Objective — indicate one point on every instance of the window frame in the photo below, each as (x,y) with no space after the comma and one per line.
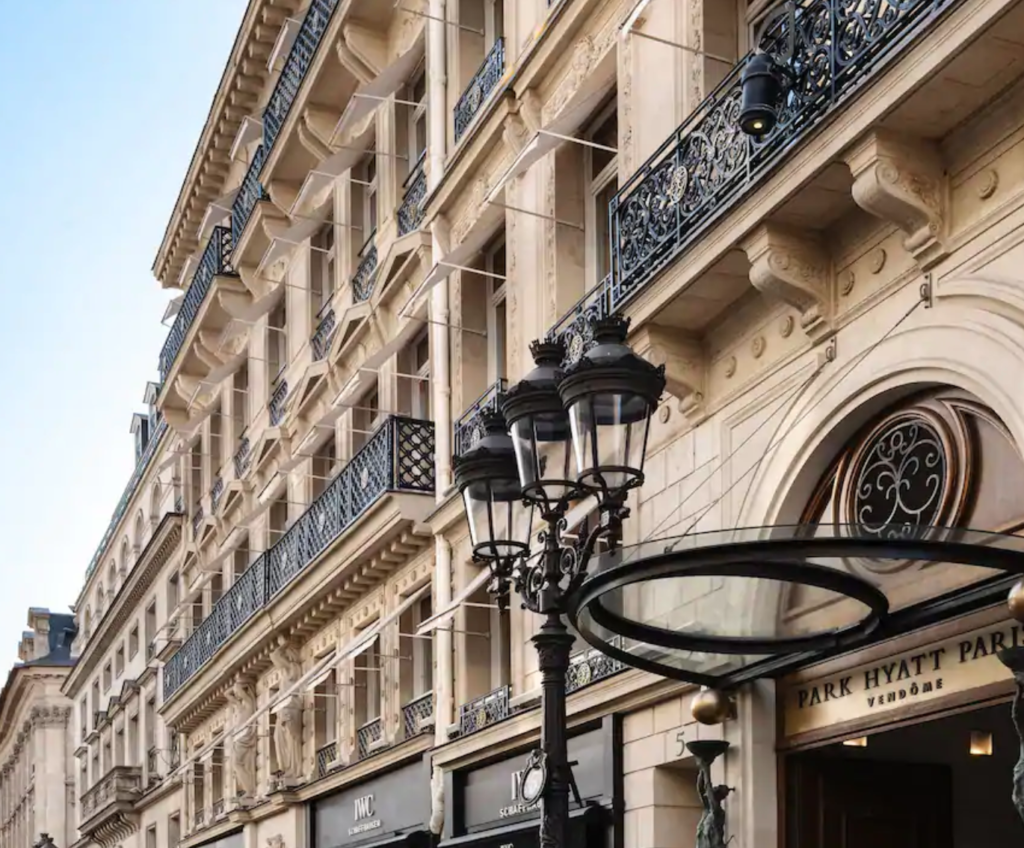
(497,332)
(595,220)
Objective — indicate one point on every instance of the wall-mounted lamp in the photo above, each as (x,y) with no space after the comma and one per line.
(859,742)
(767,76)
(981,743)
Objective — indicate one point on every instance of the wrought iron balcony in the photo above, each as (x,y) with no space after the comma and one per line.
(197,516)
(308,39)
(199,817)
(418,715)
(479,88)
(708,165)
(242,458)
(179,504)
(129,492)
(469,426)
(249,194)
(590,666)
(410,212)
(216,260)
(484,711)
(277,402)
(218,808)
(325,757)
(368,737)
(216,490)
(321,341)
(575,329)
(111,797)
(366,273)
(399,457)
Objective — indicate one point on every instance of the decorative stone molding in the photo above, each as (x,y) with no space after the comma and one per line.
(684,361)
(52,716)
(793,267)
(315,130)
(900,180)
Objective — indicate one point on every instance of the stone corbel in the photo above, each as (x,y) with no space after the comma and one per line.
(900,180)
(321,123)
(310,138)
(283,193)
(253,281)
(684,361)
(792,266)
(368,47)
(207,344)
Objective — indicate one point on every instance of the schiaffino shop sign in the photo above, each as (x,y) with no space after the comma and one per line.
(924,674)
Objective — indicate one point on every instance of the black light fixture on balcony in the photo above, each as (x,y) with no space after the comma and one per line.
(596,412)
(768,73)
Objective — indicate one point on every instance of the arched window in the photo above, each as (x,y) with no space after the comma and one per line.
(101,600)
(87,622)
(155,507)
(137,534)
(125,564)
(112,579)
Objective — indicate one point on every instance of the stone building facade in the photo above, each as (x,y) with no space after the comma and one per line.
(284,630)
(36,799)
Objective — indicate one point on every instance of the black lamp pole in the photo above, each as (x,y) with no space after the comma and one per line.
(561,435)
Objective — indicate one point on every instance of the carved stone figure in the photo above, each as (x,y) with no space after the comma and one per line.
(288,725)
(243,746)
(1018,722)
(437,802)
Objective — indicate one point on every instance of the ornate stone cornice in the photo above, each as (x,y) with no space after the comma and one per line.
(900,180)
(793,267)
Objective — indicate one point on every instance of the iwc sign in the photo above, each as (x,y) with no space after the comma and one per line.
(365,815)
(925,674)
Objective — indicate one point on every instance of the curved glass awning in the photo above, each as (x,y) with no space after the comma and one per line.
(722,607)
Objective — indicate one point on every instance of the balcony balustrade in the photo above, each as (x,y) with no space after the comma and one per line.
(198,514)
(468,427)
(179,504)
(484,711)
(410,212)
(216,490)
(277,402)
(482,84)
(326,325)
(249,194)
(129,492)
(399,457)
(366,274)
(368,737)
(111,797)
(325,756)
(418,715)
(590,666)
(199,817)
(242,458)
(707,166)
(307,40)
(218,808)
(216,260)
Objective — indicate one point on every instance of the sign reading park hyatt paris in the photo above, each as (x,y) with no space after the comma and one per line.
(924,674)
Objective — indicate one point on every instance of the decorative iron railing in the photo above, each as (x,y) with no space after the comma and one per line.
(197,517)
(327,323)
(200,817)
(218,808)
(398,457)
(410,212)
(277,402)
(469,426)
(179,504)
(590,666)
(325,758)
(708,165)
(129,492)
(242,458)
(366,274)
(417,715)
(216,260)
(250,192)
(484,711)
(482,84)
(575,329)
(216,490)
(307,40)
(368,735)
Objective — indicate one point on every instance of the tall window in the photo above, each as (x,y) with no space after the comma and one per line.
(322,264)
(366,174)
(108,677)
(323,466)
(602,182)
(173,829)
(217,774)
(198,792)
(95,696)
(241,558)
(365,418)
(195,469)
(83,718)
(277,341)
(417,142)
(497,342)
(173,592)
(416,663)
(133,641)
(133,740)
(494,21)
(216,443)
(240,400)
(119,661)
(119,749)
(367,680)
(414,378)
(325,707)
(278,518)
(149,628)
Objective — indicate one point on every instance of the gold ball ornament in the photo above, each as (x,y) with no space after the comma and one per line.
(711,706)
(1015,601)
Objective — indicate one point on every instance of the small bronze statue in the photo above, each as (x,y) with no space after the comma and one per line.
(711,827)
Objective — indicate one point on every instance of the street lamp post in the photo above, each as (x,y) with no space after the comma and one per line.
(561,436)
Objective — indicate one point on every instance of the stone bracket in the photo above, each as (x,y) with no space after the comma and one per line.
(684,361)
(900,180)
(792,266)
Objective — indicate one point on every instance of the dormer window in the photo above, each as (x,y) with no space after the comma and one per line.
(141,431)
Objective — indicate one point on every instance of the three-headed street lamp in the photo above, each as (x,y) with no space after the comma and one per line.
(563,434)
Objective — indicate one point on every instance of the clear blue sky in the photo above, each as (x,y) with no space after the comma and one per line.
(102,102)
